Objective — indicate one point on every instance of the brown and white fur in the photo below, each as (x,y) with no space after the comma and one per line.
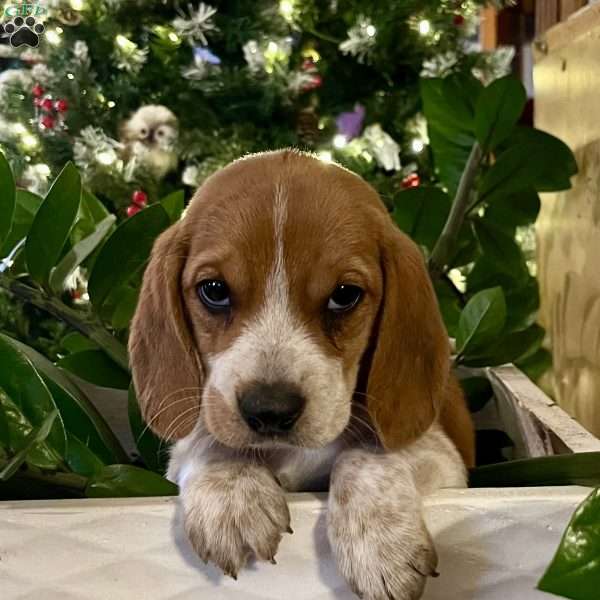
(383,421)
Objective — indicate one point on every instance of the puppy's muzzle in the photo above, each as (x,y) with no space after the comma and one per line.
(271,408)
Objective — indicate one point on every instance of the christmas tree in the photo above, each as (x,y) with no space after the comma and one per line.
(149,96)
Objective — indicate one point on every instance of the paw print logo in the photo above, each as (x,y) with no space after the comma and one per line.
(23,32)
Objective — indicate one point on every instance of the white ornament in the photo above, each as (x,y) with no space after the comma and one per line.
(383,147)
(194,25)
(494,64)
(190,175)
(440,65)
(361,39)
(254,56)
(128,55)
(81,51)
(94,148)
(35,178)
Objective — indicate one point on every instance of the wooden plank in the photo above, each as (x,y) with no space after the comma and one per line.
(568,7)
(488,32)
(547,13)
(582,23)
(536,416)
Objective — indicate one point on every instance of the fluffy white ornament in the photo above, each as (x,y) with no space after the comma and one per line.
(35,178)
(94,148)
(190,176)
(150,137)
(383,147)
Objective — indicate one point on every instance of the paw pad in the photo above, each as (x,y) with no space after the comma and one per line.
(23,32)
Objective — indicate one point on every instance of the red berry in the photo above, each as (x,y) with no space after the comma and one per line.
(411,181)
(37,90)
(458,20)
(47,122)
(132,209)
(61,105)
(139,198)
(37,102)
(47,104)
(308,64)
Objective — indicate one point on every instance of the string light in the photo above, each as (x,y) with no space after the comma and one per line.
(29,141)
(286,9)
(106,158)
(70,76)
(110,104)
(417,145)
(77,4)
(174,37)
(424,26)
(371,31)
(340,140)
(325,156)
(53,36)
(123,42)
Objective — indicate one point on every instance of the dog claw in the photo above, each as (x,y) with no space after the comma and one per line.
(272,560)
(289,529)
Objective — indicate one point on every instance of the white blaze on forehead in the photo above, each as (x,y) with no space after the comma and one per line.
(275,346)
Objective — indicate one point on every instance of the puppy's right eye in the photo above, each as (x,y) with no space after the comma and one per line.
(214,294)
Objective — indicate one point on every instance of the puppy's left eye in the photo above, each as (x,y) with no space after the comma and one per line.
(344,298)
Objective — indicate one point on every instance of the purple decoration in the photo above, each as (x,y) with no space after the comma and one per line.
(203,54)
(350,123)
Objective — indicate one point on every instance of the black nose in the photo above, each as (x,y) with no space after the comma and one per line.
(270,408)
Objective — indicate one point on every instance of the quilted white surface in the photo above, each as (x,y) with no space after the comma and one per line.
(493,545)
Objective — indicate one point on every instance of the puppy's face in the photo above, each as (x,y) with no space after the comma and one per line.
(284,282)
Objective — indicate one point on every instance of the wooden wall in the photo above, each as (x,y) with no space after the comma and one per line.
(567,104)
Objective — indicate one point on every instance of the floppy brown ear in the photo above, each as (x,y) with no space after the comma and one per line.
(167,372)
(410,356)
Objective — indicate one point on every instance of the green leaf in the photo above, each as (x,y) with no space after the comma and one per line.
(518,209)
(22,383)
(575,569)
(582,468)
(448,105)
(75,342)
(26,205)
(19,427)
(125,480)
(125,251)
(536,365)
(91,208)
(97,368)
(80,459)
(421,213)
(512,347)
(52,224)
(151,448)
(77,254)
(78,413)
(7,199)
(533,160)
(498,109)
(37,435)
(500,249)
(481,320)
(4,431)
(478,391)
(174,204)
(124,310)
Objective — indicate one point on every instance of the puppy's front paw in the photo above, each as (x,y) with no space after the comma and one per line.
(385,553)
(232,511)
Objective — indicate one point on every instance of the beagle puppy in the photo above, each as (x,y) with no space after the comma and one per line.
(288,338)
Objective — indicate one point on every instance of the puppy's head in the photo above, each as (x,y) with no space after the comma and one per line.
(282,299)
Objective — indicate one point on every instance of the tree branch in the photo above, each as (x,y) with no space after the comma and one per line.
(445,246)
(89,327)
